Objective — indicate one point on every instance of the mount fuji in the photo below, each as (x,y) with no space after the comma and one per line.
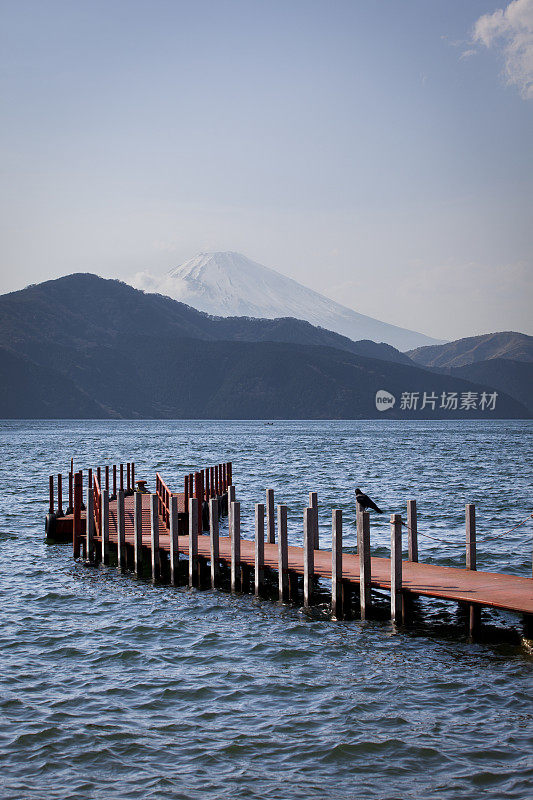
(231,285)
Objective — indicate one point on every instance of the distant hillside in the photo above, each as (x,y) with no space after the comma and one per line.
(507,344)
(82,346)
(513,377)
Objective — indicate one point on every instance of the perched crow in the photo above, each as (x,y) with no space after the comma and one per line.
(365,501)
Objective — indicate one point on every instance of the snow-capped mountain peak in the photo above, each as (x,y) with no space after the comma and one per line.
(228,284)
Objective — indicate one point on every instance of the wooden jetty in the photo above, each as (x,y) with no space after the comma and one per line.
(147,533)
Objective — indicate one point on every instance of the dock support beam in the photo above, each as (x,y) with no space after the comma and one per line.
(336,564)
(174,544)
(474,611)
(138,532)
(283,555)
(121,531)
(259,563)
(396,598)
(271,522)
(309,555)
(235,533)
(365,566)
(214,536)
(193,542)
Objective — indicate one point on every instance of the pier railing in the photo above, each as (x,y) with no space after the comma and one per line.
(163,499)
(97,504)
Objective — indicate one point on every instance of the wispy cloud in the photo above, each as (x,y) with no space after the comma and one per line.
(510,30)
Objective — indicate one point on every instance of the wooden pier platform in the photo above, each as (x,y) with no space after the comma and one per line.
(200,505)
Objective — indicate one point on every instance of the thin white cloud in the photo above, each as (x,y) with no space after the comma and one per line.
(511,31)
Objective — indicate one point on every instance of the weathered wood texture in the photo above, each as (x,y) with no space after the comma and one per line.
(396,598)
(336,564)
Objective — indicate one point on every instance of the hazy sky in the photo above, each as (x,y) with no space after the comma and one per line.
(377,151)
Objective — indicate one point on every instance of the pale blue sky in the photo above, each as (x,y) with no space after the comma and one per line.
(370,150)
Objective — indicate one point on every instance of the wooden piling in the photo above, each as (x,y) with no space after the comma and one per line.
(271,520)
(59,495)
(114,495)
(229,470)
(474,611)
(99,477)
(283,555)
(235,516)
(309,555)
(105,526)
(121,531)
(76,529)
(89,525)
(174,544)
(214,540)
(90,477)
(336,564)
(259,562)
(138,532)
(358,523)
(193,542)
(70,508)
(154,537)
(51,494)
(396,598)
(365,577)
(412,531)
(313,503)
(128,476)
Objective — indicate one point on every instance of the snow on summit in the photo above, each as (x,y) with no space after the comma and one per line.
(231,285)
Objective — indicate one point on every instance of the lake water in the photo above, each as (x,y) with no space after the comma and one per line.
(115,688)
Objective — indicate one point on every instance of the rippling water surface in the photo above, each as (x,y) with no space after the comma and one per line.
(115,688)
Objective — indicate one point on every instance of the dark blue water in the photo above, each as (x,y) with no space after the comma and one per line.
(115,688)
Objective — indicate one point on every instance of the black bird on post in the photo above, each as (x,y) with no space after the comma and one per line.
(365,501)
